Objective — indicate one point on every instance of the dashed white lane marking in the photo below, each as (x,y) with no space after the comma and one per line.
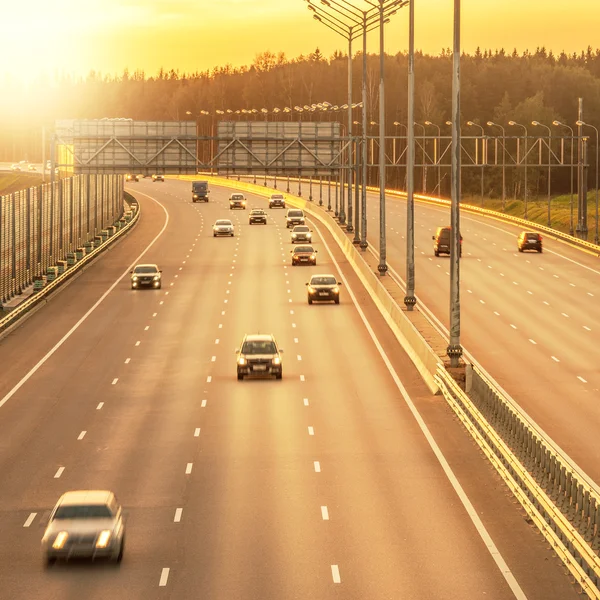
(59,472)
(29,520)
(114,381)
(533,342)
(317,465)
(299,357)
(295,340)
(586,327)
(291,312)
(530,293)
(590,294)
(164,577)
(541,268)
(197,432)
(556,276)
(222,312)
(81,435)
(335,573)
(188,468)
(546,303)
(469,291)
(175,276)
(166,293)
(208,379)
(294,325)
(554,359)
(203,405)
(290,300)
(515,283)
(305,401)
(220,325)
(311,431)
(100,405)
(572,285)
(301,377)
(180,268)
(217,341)
(324,513)
(482,301)
(225,301)
(154,314)
(138,343)
(172,283)
(161,302)
(565,315)
(496,313)
(213,358)
(581,379)
(501,274)
(147,327)
(127,361)
(178,512)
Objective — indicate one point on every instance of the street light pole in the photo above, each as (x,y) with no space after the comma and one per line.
(514,123)
(559,124)
(582,124)
(382,267)
(473,124)
(538,124)
(492,124)
(363,200)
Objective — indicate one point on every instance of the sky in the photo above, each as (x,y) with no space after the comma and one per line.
(75,36)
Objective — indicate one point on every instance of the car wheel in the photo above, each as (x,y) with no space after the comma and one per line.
(519,249)
(310,301)
(232,235)
(315,263)
(121,550)
(214,235)
(337,300)
(278,375)
(436,253)
(240,376)
(540,250)
(50,560)
(159,286)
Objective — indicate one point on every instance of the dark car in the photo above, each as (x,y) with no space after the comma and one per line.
(277,200)
(441,241)
(295,216)
(304,255)
(257,215)
(156,177)
(529,240)
(131,177)
(146,276)
(259,355)
(301,233)
(323,288)
(237,201)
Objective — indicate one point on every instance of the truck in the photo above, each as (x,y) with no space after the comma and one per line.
(200,191)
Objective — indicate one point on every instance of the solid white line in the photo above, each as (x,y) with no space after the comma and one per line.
(476,520)
(188,468)
(305,401)
(164,577)
(581,379)
(178,512)
(67,335)
(311,431)
(81,435)
(203,403)
(29,520)
(127,361)
(317,466)
(114,381)
(324,513)
(335,573)
(208,379)
(100,405)
(554,359)
(59,472)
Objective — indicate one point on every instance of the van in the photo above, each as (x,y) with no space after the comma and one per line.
(441,241)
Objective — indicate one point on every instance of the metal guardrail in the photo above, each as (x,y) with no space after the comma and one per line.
(39,296)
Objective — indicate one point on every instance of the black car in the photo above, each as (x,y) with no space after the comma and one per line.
(158,177)
(257,215)
(441,241)
(237,201)
(529,240)
(304,255)
(259,355)
(295,216)
(301,233)
(146,276)
(131,177)
(277,200)
(323,288)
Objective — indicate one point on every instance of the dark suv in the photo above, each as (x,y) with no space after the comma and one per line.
(441,241)
(295,216)
(323,288)
(259,355)
(529,240)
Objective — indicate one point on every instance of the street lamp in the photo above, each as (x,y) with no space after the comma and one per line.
(515,124)
(538,124)
(436,145)
(492,124)
(473,124)
(582,124)
(559,124)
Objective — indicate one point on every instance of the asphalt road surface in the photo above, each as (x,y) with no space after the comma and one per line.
(324,485)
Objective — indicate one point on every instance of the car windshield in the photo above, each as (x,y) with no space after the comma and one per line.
(85,511)
(223,222)
(323,281)
(295,213)
(145,270)
(259,347)
(237,197)
(299,249)
(301,228)
(532,236)
(257,211)
(276,197)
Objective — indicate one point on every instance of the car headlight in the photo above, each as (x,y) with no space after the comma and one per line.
(103,539)
(134,278)
(277,360)
(309,235)
(313,256)
(336,290)
(156,277)
(294,235)
(241,360)
(60,540)
(311,289)
(195,195)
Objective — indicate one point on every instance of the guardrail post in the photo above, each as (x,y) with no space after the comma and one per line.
(310,188)
(329,194)
(320,190)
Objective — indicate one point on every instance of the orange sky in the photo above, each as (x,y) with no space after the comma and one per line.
(110,35)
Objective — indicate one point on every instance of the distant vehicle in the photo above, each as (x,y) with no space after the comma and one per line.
(301,233)
(15,167)
(441,241)
(529,240)
(85,523)
(146,276)
(259,355)
(323,288)
(200,191)
(295,216)
(237,201)
(131,177)
(156,177)
(304,255)
(257,215)
(23,162)
(277,200)
(223,227)
(32,168)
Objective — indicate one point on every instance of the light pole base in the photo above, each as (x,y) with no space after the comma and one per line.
(409,302)
(342,218)
(364,244)
(349,228)
(356,241)
(454,351)
(382,268)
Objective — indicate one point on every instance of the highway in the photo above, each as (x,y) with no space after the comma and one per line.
(323,485)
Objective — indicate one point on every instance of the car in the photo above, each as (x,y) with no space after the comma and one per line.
(304,255)
(200,191)
(23,162)
(146,276)
(277,200)
(85,524)
(237,201)
(295,216)
(257,215)
(259,354)
(15,167)
(156,177)
(223,227)
(132,177)
(529,240)
(32,168)
(441,241)
(323,288)
(301,233)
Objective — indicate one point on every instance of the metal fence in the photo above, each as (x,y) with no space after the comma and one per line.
(42,224)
